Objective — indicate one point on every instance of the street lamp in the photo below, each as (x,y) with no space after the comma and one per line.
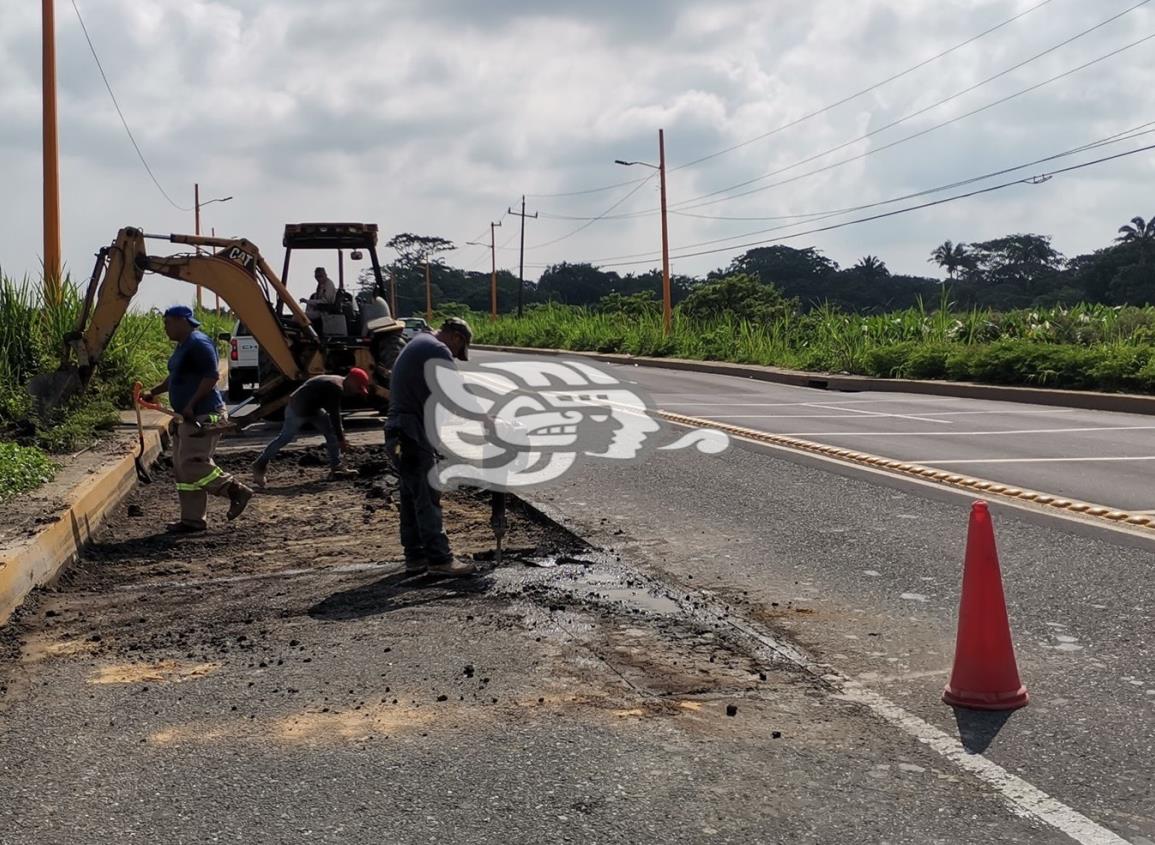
(493,272)
(197,206)
(667,308)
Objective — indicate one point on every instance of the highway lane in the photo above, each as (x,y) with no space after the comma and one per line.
(1096,456)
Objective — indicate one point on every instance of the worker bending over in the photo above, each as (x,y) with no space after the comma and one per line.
(192,388)
(317,401)
(412,455)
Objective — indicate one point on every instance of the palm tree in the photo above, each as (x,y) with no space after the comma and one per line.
(1139,233)
(872,267)
(951,257)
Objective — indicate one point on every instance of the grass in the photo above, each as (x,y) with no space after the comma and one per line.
(22,468)
(31,342)
(1079,347)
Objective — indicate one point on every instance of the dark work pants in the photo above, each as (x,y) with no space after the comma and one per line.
(422,530)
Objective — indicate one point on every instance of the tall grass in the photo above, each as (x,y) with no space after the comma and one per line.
(32,331)
(1084,346)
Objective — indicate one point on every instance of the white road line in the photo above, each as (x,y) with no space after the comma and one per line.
(877,414)
(961,433)
(666,396)
(1024,799)
(953,462)
(881,414)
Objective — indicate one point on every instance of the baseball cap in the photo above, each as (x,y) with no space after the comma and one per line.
(456,324)
(182,311)
(360,379)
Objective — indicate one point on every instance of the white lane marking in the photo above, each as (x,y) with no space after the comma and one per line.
(1024,799)
(666,397)
(961,433)
(877,414)
(1035,461)
(881,414)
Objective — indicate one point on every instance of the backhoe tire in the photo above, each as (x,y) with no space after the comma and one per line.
(389,348)
(237,390)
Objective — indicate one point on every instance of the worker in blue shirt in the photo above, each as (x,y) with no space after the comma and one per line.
(192,388)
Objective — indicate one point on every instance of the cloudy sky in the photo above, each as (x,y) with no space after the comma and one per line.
(434,116)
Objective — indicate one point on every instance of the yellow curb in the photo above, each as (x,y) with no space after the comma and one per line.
(1046,500)
(37,560)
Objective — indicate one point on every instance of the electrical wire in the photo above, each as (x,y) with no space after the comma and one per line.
(1084,33)
(1034,180)
(864,91)
(593,220)
(819,216)
(123,121)
(690,204)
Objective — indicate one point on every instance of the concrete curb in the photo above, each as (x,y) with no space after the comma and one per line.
(1127,403)
(38,560)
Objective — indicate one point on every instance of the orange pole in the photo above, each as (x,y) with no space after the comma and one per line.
(216,296)
(493,272)
(667,306)
(51,155)
(197,207)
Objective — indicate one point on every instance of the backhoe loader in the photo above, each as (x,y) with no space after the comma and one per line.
(293,347)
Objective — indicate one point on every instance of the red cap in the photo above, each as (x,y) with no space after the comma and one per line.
(360,379)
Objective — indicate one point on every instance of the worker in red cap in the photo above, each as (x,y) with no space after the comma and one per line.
(317,401)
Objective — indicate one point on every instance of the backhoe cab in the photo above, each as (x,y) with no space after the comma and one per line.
(292,348)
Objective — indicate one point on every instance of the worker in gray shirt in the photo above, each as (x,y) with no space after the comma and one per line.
(412,455)
(317,401)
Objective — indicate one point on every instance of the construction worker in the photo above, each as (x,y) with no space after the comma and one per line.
(412,455)
(323,297)
(192,388)
(317,401)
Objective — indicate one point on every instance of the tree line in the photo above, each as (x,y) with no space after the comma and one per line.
(1015,271)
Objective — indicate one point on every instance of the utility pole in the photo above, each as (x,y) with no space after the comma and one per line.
(428,295)
(521,260)
(493,272)
(51,172)
(197,207)
(393,293)
(667,305)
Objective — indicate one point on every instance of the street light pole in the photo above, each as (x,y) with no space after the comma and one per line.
(667,304)
(197,211)
(51,172)
(493,271)
(428,295)
(521,260)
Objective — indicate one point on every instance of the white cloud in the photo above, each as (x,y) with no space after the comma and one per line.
(435,116)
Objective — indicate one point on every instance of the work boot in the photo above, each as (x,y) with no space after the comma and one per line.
(340,473)
(416,566)
(259,471)
(184,528)
(239,496)
(453,568)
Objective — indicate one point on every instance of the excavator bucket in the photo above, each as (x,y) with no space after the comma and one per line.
(51,390)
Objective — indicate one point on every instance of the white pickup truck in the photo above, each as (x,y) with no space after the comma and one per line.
(244,353)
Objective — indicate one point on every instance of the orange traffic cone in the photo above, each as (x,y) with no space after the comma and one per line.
(985,676)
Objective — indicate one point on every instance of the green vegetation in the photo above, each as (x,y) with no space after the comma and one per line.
(1082,347)
(31,342)
(22,468)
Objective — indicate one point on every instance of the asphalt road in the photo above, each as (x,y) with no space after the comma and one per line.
(1095,456)
(861,569)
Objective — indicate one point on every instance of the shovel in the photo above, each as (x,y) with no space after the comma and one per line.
(497,521)
(141,470)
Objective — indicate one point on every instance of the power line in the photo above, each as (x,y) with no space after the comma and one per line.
(924,110)
(813,114)
(864,91)
(1037,179)
(817,216)
(692,203)
(123,122)
(641,184)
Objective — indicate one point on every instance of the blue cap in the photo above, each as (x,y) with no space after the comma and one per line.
(183,311)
